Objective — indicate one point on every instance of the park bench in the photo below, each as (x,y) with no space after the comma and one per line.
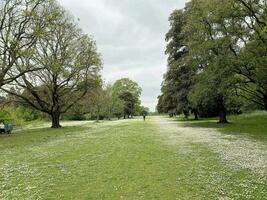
(6,128)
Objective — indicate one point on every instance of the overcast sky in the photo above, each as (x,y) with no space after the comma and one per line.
(130,36)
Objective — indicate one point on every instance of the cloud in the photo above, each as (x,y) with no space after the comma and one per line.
(130,35)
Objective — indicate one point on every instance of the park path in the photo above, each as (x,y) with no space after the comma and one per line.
(237,151)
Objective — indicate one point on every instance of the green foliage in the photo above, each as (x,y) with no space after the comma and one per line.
(66,64)
(129,93)
(107,102)
(216,58)
(127,85)
(129,102)
(19,115)
(22,22)
(178,79)
(114,104)
(143,111)
(252,124)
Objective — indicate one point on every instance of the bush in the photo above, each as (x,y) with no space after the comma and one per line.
(18,115)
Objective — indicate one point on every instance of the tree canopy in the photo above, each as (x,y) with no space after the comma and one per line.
(129,92)
(22,22)
(216,57)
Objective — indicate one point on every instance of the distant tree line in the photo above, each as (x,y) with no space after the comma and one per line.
(217,59)
(107,101)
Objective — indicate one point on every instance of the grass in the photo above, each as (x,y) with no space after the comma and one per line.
(252,124)
(117,160)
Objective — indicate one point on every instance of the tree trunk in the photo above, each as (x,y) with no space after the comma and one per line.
(196,114)
(222,112)
(55,120)
(186,113)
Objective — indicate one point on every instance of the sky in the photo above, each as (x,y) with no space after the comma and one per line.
(130,36)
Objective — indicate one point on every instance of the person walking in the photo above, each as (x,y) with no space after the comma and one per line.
(144,117)
(144,114)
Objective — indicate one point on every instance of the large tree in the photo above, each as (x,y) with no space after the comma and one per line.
(68,60)
(238,26)
(180,73)
(209,49)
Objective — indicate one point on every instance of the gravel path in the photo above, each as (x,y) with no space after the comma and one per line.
(239,152)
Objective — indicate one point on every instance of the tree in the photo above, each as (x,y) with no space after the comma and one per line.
(179,77)
(69,62)
(127,85)
(114,105)
(143,111)
(240,25)
(160,105)
(99,103)
(117,106)
(129,103)
(129,92)
(107,103)
(88,103)
(21,24)
(212,55)
(244,22)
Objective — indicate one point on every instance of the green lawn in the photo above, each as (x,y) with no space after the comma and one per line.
(253,124)
(117,160)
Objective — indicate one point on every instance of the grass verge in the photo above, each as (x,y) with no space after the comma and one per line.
(252,124)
